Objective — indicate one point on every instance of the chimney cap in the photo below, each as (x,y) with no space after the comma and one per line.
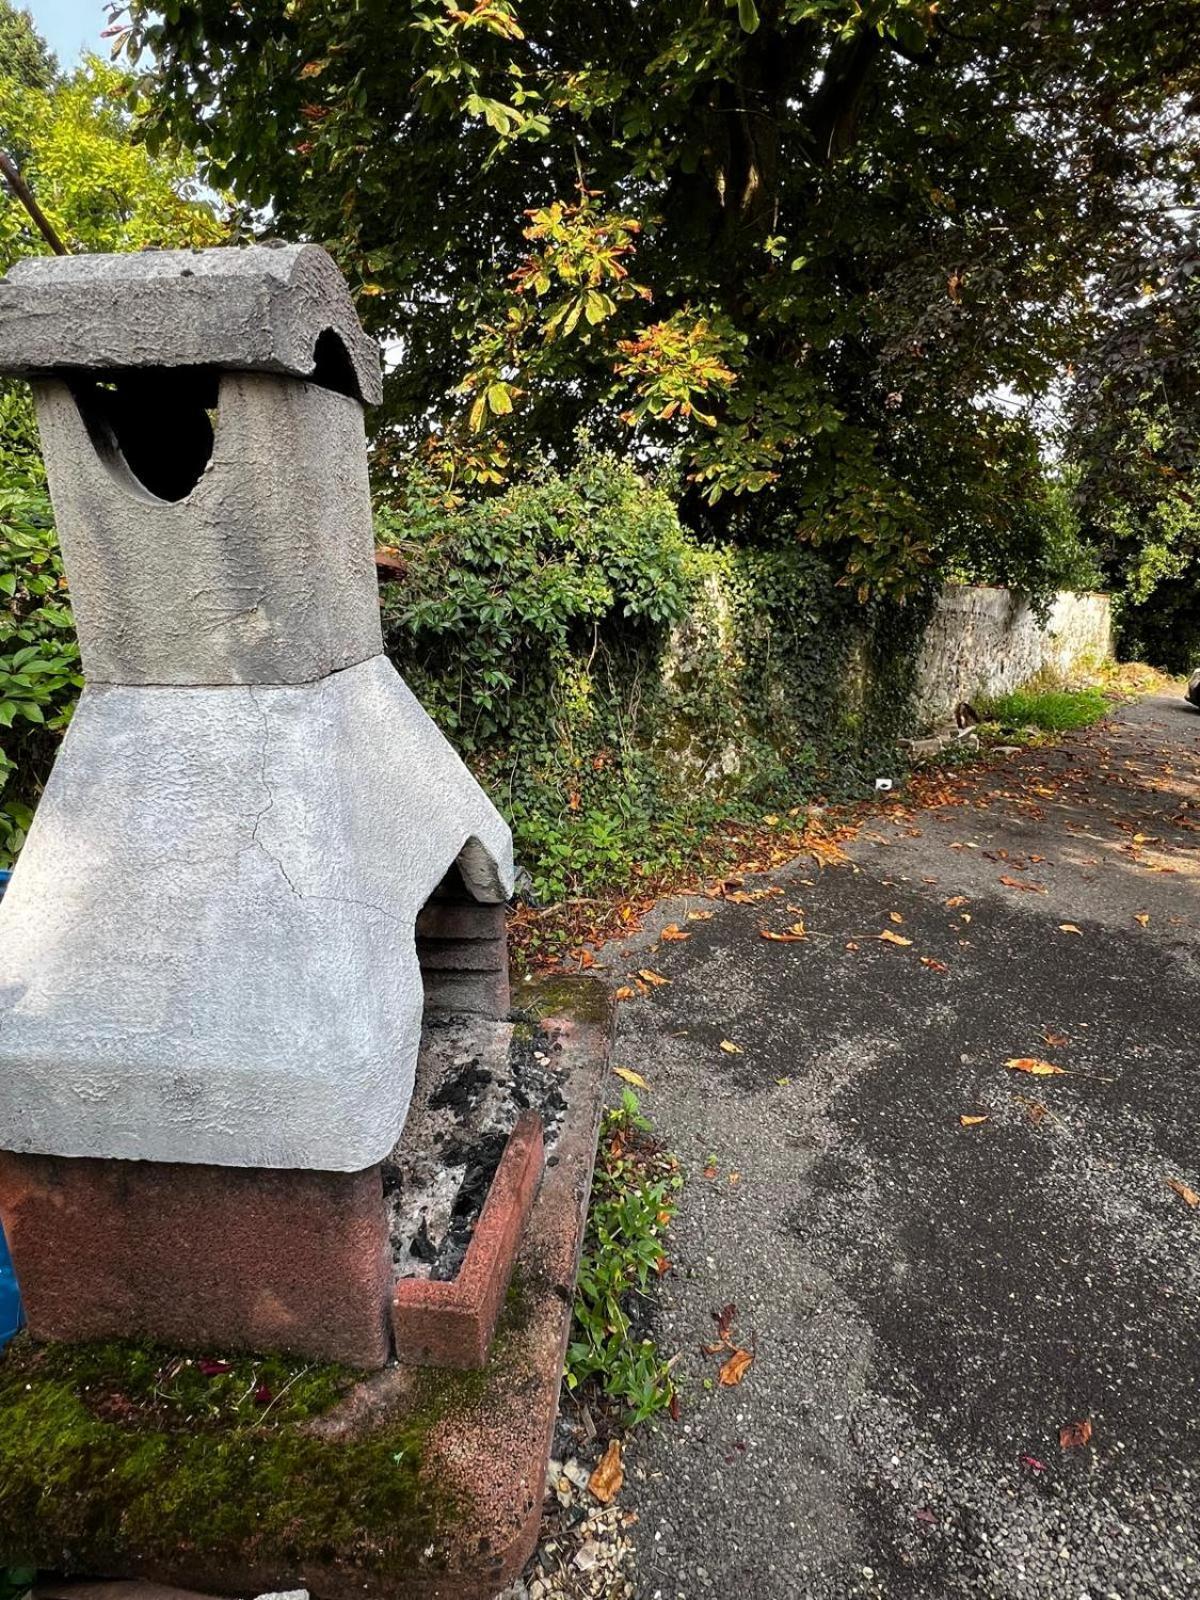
(281,308)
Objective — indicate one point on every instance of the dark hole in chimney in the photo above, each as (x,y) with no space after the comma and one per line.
(160,420)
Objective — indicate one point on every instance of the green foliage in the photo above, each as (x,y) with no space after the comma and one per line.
(623,688)
(23,51)
(810,248)
(633,1201)
(39,658)
(1053,710)
(15,1582)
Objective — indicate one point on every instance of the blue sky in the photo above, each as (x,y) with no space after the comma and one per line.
(69,26)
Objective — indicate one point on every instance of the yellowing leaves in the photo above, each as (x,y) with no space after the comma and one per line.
(1069,927)
(628,1075)
(673,934)
(605,1483)
(731,1049)
(793,935)
(655,979)
(1035,1067)
(1185,1193)
(971,1122)
(889,937)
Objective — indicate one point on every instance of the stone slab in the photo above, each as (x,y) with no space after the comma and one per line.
(444,1472)
(258,308)
(207,948)
(201,1257)
(262,574)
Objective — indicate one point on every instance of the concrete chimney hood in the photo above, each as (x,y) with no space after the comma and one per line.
(207,951)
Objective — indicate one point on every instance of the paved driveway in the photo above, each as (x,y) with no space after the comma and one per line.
(930,1303)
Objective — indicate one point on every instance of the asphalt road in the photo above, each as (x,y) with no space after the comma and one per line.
(930,1304)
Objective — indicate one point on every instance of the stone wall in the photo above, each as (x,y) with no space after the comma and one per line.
(983,642)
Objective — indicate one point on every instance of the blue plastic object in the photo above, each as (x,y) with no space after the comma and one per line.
(10,1295)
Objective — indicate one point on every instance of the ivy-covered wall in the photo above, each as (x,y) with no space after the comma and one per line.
(620,687)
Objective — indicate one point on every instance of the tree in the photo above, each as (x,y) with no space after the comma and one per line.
(804,244)
(23,52)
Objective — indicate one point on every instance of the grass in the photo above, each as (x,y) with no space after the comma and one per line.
(633,1202)
(1050,710)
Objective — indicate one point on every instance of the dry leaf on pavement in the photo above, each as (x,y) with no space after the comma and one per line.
(894,916)
(656,978)
(735,1369)
(1039,1069)
(1142,917)
(624,992)
(672,933)
(1055,1040)
(889,937)
(1030,888)
(1183,1191)
(956,900)
(730,1048)
(937,966)
(1075,1435)
(1069,927)
(971,1122)
(605,1483)
(630,1076)
(781,938)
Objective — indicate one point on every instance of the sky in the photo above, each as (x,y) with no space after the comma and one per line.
(69,26)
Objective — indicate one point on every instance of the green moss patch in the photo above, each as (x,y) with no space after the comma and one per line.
(118,1455)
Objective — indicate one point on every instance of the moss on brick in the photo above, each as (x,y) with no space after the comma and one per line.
(120,1457)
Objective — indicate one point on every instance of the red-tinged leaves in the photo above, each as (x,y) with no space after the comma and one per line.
(735,1369)
(208,1368)
(934,966)
(1075,1435)
(263,1394)
(724,1318)
(1033,1464)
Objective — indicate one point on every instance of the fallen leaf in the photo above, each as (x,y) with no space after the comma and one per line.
(208,1368)
(730,1048)
(1015,883)
(734,1177)
(699,916)
(851,944)
(1055,1040)
(936,966)
(1075,1435)
(894,916)
(656,978)
(1182,1190)
(1069,927)
(624,992)
(672,933)
(1143,917)
(889,937)
(263,1394)
(1039,1069)
(956,900)
(783,1082)
(605,1483)
(971,1122)
(724,1318)
(710,1171)
(781,938)
(1033,1463)
(630,1076)
(735,1369)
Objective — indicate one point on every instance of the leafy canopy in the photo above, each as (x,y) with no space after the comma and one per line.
(805,245)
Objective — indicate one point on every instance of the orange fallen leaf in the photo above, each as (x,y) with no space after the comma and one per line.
(605,1483)
(935,966)
(851,944)
(734,1177)
(630,1076)
(1015,883)
(956,900)
(1055,1040)
(889,937)
(624,992)
(730,1048)
(1183,1191)
(895,916)
(656,978)
(699,916)
(1143,917)
(971,1122)
(672,933)
(710,1171)
(735,1369)
(1075,1435)
(1039,1069)
(1069,927)
(780,938)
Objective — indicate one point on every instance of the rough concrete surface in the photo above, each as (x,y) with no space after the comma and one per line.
(260,308)
(207,948)
(930,1304)
(263,573)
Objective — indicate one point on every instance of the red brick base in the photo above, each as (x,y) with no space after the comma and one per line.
(211,1259)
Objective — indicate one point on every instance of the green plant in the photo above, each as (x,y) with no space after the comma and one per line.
(16,1582)
(39,658)
(633,1202)
(1053,710)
